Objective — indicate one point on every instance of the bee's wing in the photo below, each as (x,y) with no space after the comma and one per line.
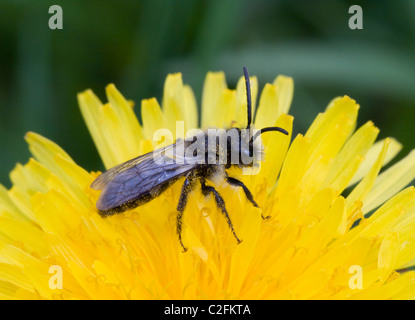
(102,180)
(139,177)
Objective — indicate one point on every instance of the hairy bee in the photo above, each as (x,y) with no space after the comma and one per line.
(205,156)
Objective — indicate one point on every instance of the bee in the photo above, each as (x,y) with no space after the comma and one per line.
(205,157)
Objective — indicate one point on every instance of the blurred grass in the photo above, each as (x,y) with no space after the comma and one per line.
(134,44)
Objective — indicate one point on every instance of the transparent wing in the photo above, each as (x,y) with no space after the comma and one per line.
(163,154)
(140,177)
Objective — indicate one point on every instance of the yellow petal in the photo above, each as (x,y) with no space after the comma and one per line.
(249,233)
(294,165)
(131,126)
(371,156)
(269,108)
(153,118)
(190,108)
(351,156)
(30,177)
(117,137)
(44,150)
(285,89)
(384,218)
(329,132)
(7,207)
(361,191)
(213,88)
(14,275)
(388,254)
(28,234)
(92,111)
(390,182)
(275,147)
(173,100)
(226,109)
(22,201)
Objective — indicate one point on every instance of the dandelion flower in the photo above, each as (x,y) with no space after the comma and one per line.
(320,242)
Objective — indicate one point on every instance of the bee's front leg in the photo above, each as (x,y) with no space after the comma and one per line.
(248,194)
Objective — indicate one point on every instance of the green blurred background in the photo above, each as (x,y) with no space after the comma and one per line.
(134,44)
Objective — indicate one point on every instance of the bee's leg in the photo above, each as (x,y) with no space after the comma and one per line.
(248,194)
(220,203)
(187,187)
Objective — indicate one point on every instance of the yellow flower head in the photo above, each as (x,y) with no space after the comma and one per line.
(338,228)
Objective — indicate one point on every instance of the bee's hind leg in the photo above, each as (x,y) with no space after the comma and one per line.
(187,187)
(248,194)
(220,204)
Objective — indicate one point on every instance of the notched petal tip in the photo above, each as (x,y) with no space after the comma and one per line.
(111,88)
(28,135)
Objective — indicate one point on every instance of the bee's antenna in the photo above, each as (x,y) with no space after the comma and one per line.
(248,97)
(263,130)
(249,105)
